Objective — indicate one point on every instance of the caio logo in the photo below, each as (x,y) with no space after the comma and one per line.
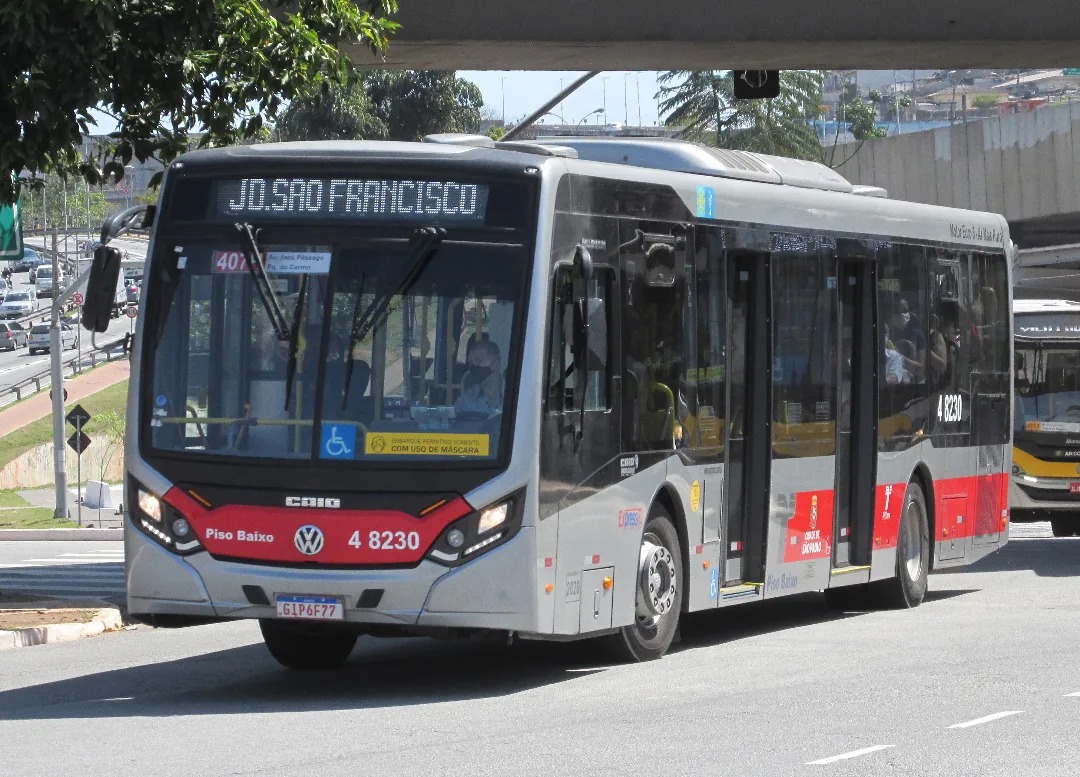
(312,501)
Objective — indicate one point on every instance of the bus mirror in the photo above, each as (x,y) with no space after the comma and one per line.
(597,334)
(139,217)
(101,289)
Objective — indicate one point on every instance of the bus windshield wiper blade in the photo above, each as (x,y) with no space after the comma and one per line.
(294,340)
(428,240)
(257,267)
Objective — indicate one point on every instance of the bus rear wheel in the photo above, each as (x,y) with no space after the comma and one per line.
(908,587)
(659,592)
(304,647)
(1065,527)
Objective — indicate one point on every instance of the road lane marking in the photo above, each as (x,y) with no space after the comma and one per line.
(987,719)
(1072,694)
(844,756)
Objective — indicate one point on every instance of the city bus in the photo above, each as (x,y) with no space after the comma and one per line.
(1046,417)
(552,391)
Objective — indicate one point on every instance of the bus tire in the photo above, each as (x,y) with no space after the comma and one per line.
(908,586)
(1064,527)
(301,647)
(658,601)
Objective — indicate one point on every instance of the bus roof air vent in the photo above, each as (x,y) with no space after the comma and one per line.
(869,191)
(460,139)
(543,149)
(684,156)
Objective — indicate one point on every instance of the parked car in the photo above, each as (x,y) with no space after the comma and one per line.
(12,336)
(39,337)
(18,303)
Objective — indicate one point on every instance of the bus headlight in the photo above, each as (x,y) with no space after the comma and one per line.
(480,530)
(492,517)
(150,505)
(160,521)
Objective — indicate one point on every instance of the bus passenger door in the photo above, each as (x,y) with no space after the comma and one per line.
(747,429)
(856,414)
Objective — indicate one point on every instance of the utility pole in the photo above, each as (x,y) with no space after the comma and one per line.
(57,363)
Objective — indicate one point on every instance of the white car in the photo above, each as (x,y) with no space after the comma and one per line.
(18,303)
(39,338)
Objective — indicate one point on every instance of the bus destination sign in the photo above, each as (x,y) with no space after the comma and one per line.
(354,199)
(1048,326)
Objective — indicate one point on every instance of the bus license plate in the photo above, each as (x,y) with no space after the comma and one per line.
(1074,488)
(318,608)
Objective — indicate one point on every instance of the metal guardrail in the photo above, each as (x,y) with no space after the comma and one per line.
(118,349)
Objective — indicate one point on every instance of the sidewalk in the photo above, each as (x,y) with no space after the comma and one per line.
(79,387)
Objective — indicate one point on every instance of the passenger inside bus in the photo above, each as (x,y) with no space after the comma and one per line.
(483,394)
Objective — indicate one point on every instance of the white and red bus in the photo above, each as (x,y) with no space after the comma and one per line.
(561,390)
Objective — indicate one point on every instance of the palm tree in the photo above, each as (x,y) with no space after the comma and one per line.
(703,103)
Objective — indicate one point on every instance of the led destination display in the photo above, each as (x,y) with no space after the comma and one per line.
(352,199)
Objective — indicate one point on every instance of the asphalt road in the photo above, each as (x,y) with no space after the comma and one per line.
(18,365)
(977,681)
(88,570)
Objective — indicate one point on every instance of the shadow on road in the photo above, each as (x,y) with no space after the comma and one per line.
(1057,557)
(381,673)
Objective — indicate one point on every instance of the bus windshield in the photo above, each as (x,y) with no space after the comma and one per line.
(1047,379)
(368,349)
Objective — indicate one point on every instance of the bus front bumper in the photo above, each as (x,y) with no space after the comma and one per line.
(1031,496)
(493,591)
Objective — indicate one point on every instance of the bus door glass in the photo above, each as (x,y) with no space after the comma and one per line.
(856,418)
(747,427)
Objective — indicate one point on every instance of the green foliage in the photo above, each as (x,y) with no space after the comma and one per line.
(704,104)
(985,102)
(385,105)
(863,118)
(495,132)
(44,202)
(165,70)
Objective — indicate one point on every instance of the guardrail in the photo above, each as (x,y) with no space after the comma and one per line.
(117,349)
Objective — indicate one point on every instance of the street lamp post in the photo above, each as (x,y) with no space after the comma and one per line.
(504,101)
(590,113)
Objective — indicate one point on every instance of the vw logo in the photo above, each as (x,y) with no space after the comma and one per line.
(309,540)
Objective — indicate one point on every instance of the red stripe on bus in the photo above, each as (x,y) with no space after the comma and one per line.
(352,537)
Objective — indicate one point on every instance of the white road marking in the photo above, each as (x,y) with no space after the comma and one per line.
(98,560)
(987,719)
(845,756)
(1072,694)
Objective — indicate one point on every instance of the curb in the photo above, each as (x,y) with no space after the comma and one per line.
(107,620)
(7,535)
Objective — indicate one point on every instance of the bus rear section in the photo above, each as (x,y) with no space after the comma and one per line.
(1046,423)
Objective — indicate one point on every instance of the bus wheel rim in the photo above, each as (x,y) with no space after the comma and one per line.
(913,542)
(657,582)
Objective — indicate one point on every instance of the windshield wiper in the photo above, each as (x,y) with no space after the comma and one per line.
(294,339)
(427,244)
(428,240)
(257,267)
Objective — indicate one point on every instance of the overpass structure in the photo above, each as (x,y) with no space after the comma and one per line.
(705,34)
(1025,166)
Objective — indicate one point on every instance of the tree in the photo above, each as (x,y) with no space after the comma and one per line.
(164,70)
(704,104)
(862,117)
(336,112)
(415,103)
(383,105)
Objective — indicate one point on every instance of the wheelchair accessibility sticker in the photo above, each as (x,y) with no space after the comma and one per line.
(338,441)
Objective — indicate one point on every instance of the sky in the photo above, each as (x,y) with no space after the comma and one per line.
(628,96)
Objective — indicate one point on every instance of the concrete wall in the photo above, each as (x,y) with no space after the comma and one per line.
(35,468)
(1025,166)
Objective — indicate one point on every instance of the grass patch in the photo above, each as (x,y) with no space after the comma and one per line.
(18,442)
(32,518)
(11,499)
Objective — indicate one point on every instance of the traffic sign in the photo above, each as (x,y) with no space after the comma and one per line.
(78,416)
(77,298)
(132,312)
(79,442)
(65,395)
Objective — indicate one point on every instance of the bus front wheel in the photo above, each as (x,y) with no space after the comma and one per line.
(1065,527)
(302,647)
(908,586)
(658,598)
